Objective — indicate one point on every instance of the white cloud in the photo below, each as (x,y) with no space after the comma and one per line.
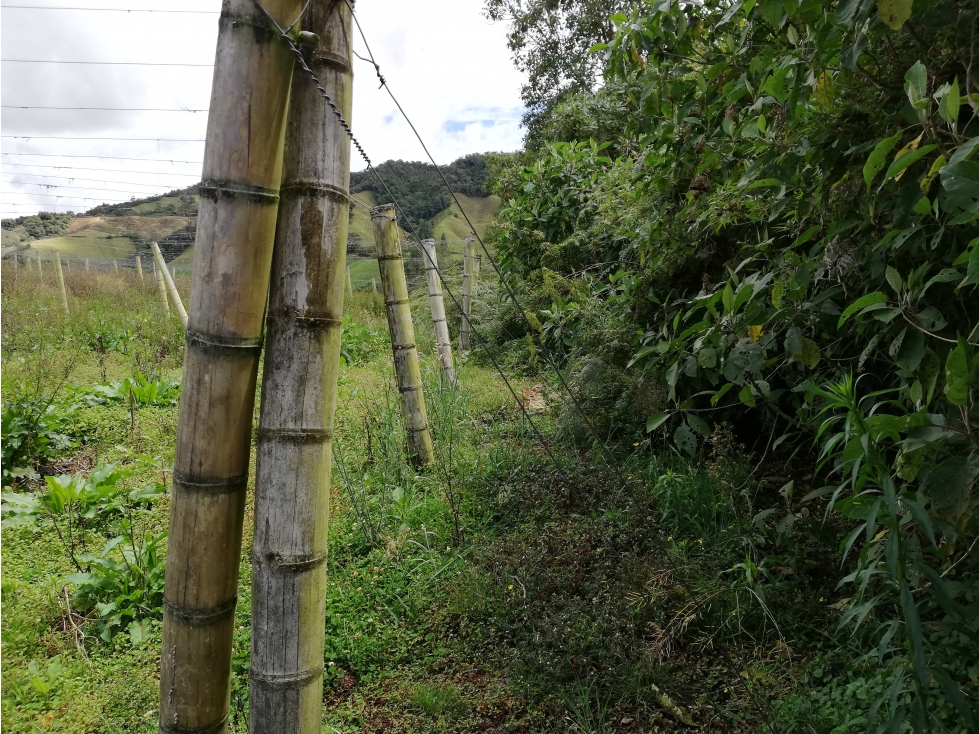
(448,66)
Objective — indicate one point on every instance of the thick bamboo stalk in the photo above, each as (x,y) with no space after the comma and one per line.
(442,342)
(467,260)
(170,285)
(139,269)
(236,225)
(394,286)
(59,274)
(302,358)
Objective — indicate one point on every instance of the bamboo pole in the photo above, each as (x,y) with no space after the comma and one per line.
(161,286)
(139,269)
(350,284)
(15,267)
(442,342)
(374,286)
(67,265)
(236,225)
(170,285)
(40,270)
(59,274)
(394,286)
(302,358)
(467,260)
(86,265)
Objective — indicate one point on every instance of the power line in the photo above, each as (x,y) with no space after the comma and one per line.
(103,109)
(71,196)
(68,137)
(90,180)
(107,157)
(110,10)
(102,63)
(107,170)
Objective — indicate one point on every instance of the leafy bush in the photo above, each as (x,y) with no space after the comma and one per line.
(794,203)
(141,389)
(121,586)
(34,430)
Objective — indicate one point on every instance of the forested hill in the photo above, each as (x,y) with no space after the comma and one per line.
(419,188)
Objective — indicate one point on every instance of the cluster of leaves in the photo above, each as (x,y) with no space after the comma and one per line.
(794,200)
(34,431)
(139,389)
(418,187)
(359,342)
(121,586)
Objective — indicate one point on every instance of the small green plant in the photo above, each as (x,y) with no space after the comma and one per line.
(34,430)
(140,389)
(436,700)
(47,679)
(122,585)
(359,342)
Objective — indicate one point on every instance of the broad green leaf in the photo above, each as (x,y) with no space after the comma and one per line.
(961,179)
(917,79)
(727,298)
(958,375)
(894,280)
(862,302)
(746,396)
(655,421)
(825,92)
(810,354)
(716,397)
(793,340)
(878,158)
(762,123)
(950,104)
(965,150)
(894,12)
(707,357)
(910,351)
(906,160)
(698,424)
(686,440)
(772,11)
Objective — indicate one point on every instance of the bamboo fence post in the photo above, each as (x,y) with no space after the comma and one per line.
(233,251)
(15,267)
(374,286)
(115,267)
(302,360)
(67,264)
(161,286)
(394,287)
(170,285)
(61,280)
(173,271)
(477,262)
(40,270)
(139,269)
(350,284)
(467,259)
(442,342)
(86,265)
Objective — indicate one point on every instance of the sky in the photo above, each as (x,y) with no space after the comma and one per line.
(446,63)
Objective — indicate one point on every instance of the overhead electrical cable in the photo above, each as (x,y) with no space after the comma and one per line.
(107,157)
(106,170)
(109,10)
(103,109)
(94,180)
(103,63)
(80,137)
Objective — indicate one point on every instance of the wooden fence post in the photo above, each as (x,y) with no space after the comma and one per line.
(467,259)
(394,286)
(161,286)
(233,251)
(139,269)
(442,342)
(170,285)
(59,274)
(302,358)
